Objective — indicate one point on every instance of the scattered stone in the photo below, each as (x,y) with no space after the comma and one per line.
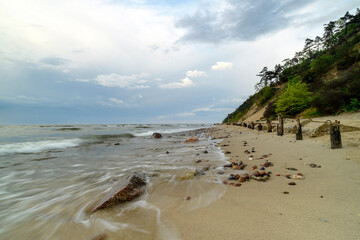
(262,168)
(253,149)
(313,165)
(157,135)
(238,185)
(225,145)
(126,190)
(187,198)
(292,183)
(167,152)
(254,167)
(205,152)
(232,184)
(286,192)
(321,196)
(260,176)
(100,237)
(225,182)
(228,165)
(191,139)
(247,151)
(278,175)
(300,174)
(198,161)
(220,172)
(117,144)
(298,177)
(206,168)
(227,152)
(268,164)
(233,177)
(291,169)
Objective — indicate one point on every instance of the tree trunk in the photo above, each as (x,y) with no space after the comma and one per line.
(280,126)
(335,136)
(298,130)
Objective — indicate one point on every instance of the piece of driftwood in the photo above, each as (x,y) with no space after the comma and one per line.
(335,136)
(280,126)
(298,130)
(269,127)
(129,188)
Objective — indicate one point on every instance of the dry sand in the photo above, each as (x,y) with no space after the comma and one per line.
(325,205)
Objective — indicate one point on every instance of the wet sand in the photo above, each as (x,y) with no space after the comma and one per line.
(325,205)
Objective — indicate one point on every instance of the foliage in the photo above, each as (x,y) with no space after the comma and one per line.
(266,94)
(270,111)
(311,112)
(322,64)
(353,105)
(295,98)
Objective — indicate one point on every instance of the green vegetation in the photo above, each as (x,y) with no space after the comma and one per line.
(295,99)
(323,78)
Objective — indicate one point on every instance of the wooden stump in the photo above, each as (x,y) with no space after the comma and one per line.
(335,136)
(298,130)
(269,127)
(280,126)
(259,127)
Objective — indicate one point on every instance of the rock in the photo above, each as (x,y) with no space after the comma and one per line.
(198,161)
(227,152)
(126,190)
(268,164)
(228,165)
(187,198)
(313,165)
(205,152)
(225,182)
(233,177)
(298,177)
(262,168)
(292,183)
(100,237)
(205,168)
(167,152)
(286,192)
(254,167)
(220,172)
(157,135)
(199,172)
(187,175)
(117,144)
(191,139)
(291,169)
(278,175)
(253,150)
(238,185)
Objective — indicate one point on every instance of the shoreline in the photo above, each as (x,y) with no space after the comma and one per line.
(324,205)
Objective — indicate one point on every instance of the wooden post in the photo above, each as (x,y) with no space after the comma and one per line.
(252,125)
(298,130)
(280,126)
(259,127)
(335,136)
(269,127)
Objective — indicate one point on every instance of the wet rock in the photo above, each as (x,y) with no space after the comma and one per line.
(292,183)
(233,177)
(220,172)
(100,237)
(205,152)
(262,168)
(286,192)
(126,190)
(225,182)
(268,164)
(156,135)
(117,144)
(227,152)
(187,175)
(191,139)
(260,176)
(228,165)
(198,161)
(167,152)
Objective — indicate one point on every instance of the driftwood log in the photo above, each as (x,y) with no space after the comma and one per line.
(335,136)
(269,127)
(128,189)
(298,130)
(280,126)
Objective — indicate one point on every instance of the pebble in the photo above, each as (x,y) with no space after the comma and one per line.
(292,183)
(278,175)
(205,152)
(198,161)
(117,144)
(238,185)
(220,172)
(286,192)
(167,152)
(227,152)
(187,198)
(225,182)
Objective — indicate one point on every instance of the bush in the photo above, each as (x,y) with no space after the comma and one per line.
(295,98)
(322,64)
(266,94)
(270,111)
(353,105)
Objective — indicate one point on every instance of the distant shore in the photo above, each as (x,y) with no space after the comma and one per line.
(322,205)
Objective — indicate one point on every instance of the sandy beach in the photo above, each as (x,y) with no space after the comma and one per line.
(324,205)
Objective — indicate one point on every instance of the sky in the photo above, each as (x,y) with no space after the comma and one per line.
(145,61)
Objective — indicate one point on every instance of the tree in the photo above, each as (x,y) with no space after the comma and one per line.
(295,98)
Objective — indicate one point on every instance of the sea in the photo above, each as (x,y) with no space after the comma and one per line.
(51,175)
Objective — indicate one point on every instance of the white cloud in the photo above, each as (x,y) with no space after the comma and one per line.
(222,66)
(236,100)
(186,114)
(195,73)
(134,81)
(186,82)
(117,101)
(82,80)
(212,109)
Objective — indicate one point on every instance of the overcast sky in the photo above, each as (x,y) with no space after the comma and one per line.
(145,61)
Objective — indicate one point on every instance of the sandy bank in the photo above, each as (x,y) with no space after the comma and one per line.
(325,205)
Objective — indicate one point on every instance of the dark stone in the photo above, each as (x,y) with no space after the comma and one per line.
(100,237)
(126,190)
(117,144)
(253,149)
(205,151)
(227,152)
(157,135)
(198,161)
(286,192)
(167,152)
(292,183)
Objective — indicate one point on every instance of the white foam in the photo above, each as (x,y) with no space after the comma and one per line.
(34,147)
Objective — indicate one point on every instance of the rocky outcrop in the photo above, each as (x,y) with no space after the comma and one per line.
(126,190)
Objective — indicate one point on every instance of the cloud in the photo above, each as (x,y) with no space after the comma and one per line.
(54,61)
(236,100)
(117,101)
(134,81)
(212,109)
(222,66)
(186,82)
(82,80)
(239,20)
(185,114)
(195,73)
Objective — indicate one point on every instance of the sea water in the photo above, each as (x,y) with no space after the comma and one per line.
(51,175)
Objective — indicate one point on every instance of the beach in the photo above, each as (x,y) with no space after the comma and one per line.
(323,205)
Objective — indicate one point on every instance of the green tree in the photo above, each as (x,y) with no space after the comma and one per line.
(295,98)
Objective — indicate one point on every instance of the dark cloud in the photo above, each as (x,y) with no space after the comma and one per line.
(55,61)
(245,20)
